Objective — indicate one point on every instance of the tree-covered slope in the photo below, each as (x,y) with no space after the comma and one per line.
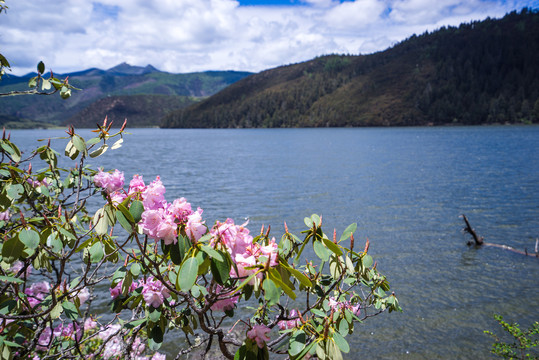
(481,72)
(121,80)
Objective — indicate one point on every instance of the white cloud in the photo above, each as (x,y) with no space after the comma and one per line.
(197,35)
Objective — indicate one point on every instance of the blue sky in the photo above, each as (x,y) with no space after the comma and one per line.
(196,35)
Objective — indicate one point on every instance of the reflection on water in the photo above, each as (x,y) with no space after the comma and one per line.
(405,187)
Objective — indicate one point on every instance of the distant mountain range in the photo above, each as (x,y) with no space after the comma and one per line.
(142,94)
(482,72)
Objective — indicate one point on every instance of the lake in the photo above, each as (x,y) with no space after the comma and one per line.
(405,187)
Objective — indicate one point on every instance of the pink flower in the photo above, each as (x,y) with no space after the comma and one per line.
(236,238)
(44,339)
(36,183)
(72,331)
(5,215)
(83,295)
(180,209)
(159,356)
(116,291)
(37,292)
(225,304)
(259,334)
(195,227)
(283,324)
(18,265)
(136,185)
(154,292)
(153,196)
(104,334)
(167,230)
(150,222)
(90,324)
(109,182)
(117,197)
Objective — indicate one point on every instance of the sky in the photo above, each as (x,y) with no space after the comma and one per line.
(181,36)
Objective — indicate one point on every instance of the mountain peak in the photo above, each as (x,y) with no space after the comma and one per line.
(126,69)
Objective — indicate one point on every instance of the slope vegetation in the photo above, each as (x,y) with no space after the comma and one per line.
(478,73)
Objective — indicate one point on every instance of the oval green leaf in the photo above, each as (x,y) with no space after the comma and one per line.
(187,275)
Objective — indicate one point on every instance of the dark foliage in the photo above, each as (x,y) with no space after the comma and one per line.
(482,72)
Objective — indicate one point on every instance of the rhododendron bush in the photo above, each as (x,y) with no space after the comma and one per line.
(170,272)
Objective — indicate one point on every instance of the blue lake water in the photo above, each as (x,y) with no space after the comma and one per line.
(405,187)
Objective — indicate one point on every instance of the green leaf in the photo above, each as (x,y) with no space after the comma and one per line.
(187,275)
(46,85)
(304,280)
(136,209)
(40,67)
(184,244)
(30,238)
(12,249)
(276,277)
(155,314)
(348,231)
(341,342)
(12,149)
(79,143)
(297,343)
(70,310)
(65,92)
(135,269)
(117,144)
(123,221)
(32,82)
(320,250)
(332,246)
(15,192)
(71,151)
(212,252)
(93,141)
(220,269)
(57,311)
(155,338)
(315,219)
(271,292)
(100,222)
(100,151)
(126,213)
(308,222)
(96,252)
(11,279)
(367,261)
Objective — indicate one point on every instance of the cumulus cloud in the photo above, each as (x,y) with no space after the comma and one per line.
(198,35)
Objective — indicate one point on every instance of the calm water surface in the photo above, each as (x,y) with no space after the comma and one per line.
(405,187)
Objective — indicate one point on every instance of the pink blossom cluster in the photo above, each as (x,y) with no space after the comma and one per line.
(160,220)
(37,292)
(153,291)
(17,266)
(228,303)
(341,305)
(5,215)
(243,251)
(259,333)
(289,324)
(36,183)
(109,182)
(115,345)
(72,331)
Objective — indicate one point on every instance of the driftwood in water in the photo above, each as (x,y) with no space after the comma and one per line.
(479,241)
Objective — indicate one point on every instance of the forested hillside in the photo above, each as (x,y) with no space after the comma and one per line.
(482,72)
(106,92)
